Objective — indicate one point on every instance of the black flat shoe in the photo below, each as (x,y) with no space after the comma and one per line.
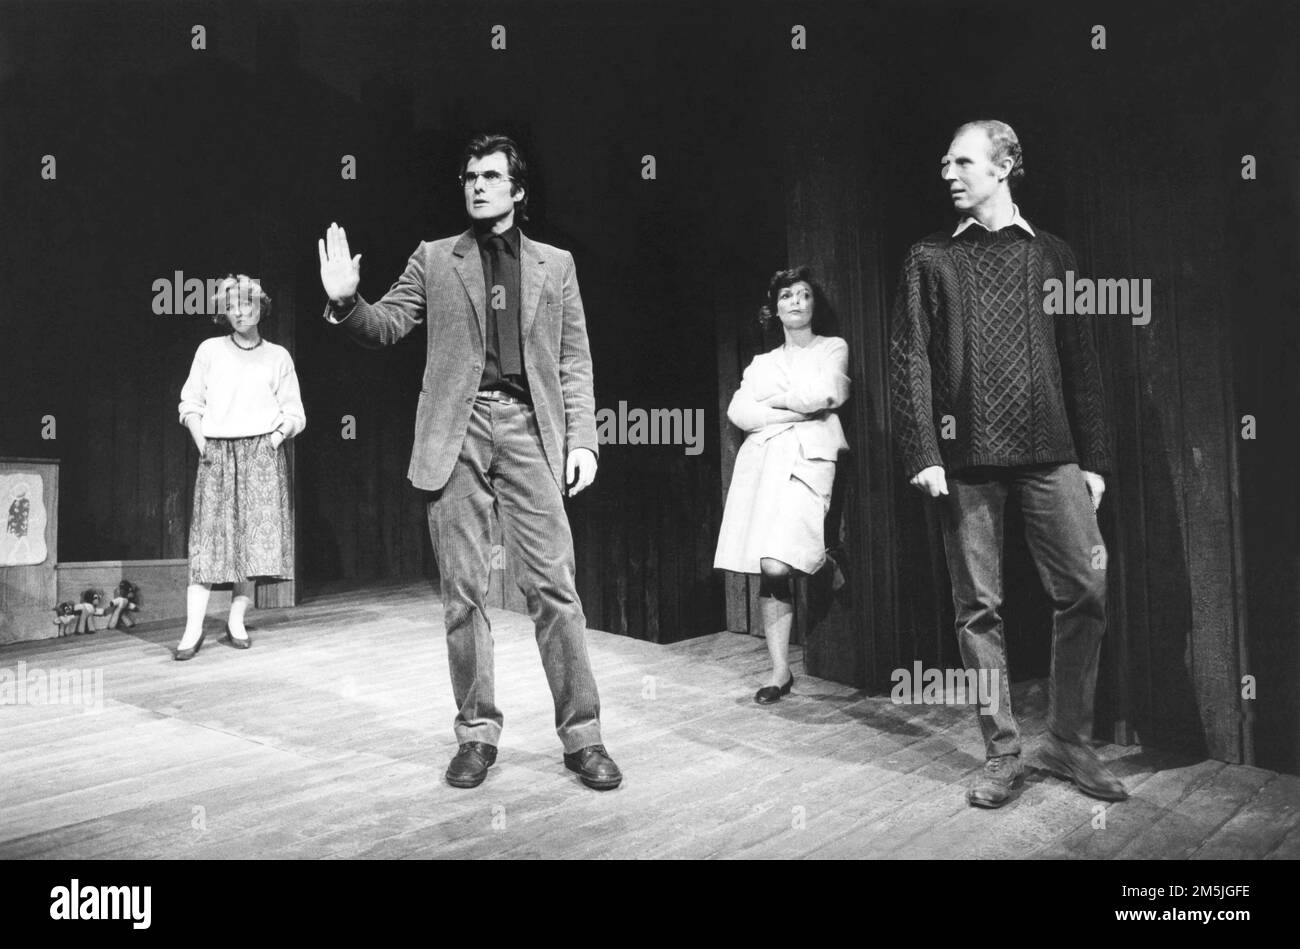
(231,640)
(183,654)
(836,570)
(470,765)
(770,694)
(595,767)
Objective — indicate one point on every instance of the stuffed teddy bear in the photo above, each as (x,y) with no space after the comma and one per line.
(123,604)
(92,604)
(66,617)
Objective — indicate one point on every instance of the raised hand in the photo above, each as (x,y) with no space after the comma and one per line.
(339,272)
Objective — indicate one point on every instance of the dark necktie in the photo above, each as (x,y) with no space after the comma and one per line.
(507,313)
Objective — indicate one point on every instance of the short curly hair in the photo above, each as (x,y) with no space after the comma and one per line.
(1003,142)
(787,278)
(239,282)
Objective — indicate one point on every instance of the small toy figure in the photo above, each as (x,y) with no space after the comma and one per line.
(123,604)
(66,617)
(92,604)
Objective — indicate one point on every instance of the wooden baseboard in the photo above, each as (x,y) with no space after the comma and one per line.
(162,585)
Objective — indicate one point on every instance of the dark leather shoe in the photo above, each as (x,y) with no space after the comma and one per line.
(834,570)
(231,639)
(993,788)
(183,654)
(772,693)
(470,765)
(595,767)
(1080,764)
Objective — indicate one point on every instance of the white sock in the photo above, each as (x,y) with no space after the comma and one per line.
(239,603)
(196,606)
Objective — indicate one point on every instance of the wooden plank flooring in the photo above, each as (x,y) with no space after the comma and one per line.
(329,738)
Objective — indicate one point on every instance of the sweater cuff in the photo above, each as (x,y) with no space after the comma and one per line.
(1097,464)
(337,311)
(289,426)
(915,464)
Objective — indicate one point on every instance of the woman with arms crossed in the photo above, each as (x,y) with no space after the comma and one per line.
(781,487)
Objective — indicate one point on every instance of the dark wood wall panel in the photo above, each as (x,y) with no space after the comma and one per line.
(1263,240)
(831,226)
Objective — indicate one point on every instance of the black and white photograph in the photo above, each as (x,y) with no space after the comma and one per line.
(621,430)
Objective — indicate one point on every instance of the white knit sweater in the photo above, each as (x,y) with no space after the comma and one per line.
(238,393)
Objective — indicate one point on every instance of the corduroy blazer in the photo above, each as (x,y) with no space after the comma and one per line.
(443,288)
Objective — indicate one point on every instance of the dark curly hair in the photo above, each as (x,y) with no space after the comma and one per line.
(788,278)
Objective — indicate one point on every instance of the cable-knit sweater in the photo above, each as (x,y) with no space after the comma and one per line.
(970,341)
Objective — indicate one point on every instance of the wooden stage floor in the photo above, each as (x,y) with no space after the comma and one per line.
(329,738)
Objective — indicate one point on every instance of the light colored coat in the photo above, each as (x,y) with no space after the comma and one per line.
(443,281)
(813,379)
(781,485)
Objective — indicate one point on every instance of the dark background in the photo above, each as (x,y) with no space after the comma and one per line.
(229,158)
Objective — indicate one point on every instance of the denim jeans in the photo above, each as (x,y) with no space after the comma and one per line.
(1066,545)
(502,462)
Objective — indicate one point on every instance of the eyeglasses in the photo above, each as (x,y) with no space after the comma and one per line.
(491,179)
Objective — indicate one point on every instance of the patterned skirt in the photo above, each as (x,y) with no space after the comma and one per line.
(242,525)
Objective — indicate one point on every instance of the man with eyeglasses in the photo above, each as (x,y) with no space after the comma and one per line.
(506,417)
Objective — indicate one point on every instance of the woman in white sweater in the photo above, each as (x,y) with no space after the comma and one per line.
(240,403)
(781,487)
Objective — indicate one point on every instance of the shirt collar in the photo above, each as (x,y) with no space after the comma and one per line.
(1016,220)
(511,236)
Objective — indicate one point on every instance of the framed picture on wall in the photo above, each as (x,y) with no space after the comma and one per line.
(23,495)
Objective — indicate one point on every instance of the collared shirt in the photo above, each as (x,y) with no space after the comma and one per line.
(1016,221)
(493,378)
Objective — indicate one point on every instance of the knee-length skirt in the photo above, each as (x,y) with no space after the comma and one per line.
(242,522)
(776,507)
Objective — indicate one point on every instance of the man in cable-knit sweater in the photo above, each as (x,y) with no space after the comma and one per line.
(995,399)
